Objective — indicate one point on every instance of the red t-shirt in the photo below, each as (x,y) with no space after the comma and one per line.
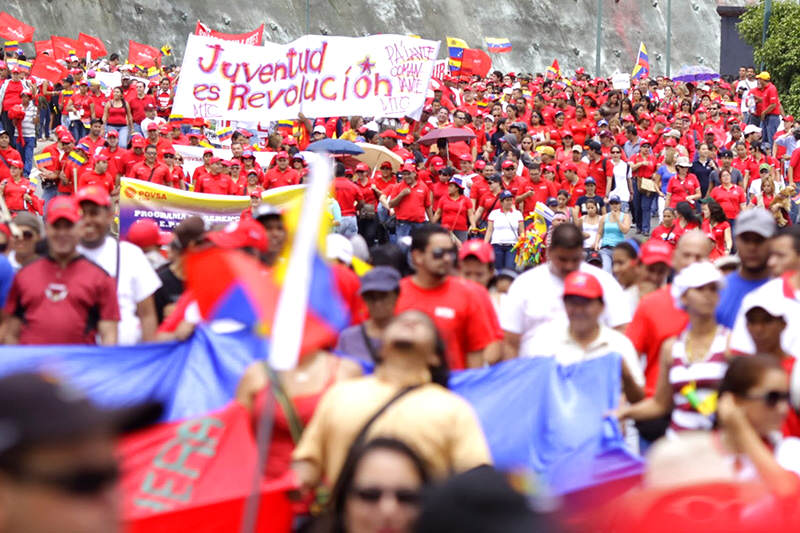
(59,305)
(602,175)
(94,145)
(680,189)
(655,320)
(8,154)
(14,193)
(216,184)
(276,177)
(131,160)
(90,177)
(575,191)
(454,212)
(347,195)
(770,95)
(412,207)
(158,173)
(729,199)
(116,160)
(461,310)
(489,202)
(350,289)
(137,106)
(542,190)
(98,103)
(13,95)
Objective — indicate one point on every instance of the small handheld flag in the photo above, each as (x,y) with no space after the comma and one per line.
(553,71)
(166,50)
(11,47)
(224,134)
(24,66)
(43,158)
(497,45)
(642,67)
(75,157)
(455,49)
(152,73)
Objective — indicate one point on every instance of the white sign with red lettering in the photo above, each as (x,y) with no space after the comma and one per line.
(317,75)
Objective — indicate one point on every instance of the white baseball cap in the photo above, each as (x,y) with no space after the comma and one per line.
(694,276)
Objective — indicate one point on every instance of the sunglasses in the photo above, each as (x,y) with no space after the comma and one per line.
(375,494)
(615,151)
(87,481)
(439,253)
(771,398)
(28,235)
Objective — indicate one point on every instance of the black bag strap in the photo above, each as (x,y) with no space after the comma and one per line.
(372,352)
(359,440)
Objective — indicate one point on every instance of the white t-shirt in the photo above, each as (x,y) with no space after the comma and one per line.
(556,342)
(137,281)
(158,121)
(506,226)
(535,300)
(790,338)
(621,173)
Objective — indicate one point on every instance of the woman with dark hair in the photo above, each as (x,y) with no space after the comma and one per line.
(687,219)
(667,230)
(406,396)
(717,227)
(538,130)
(729,196)
(382,469)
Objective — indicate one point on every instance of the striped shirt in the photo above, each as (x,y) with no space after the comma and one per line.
(704,375)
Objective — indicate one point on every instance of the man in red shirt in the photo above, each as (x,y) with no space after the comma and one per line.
(461,309)
(205,168)
(281,174)
(348,195)
(768,107)
(537,189)
(135,154)
(600,168)
(216,182)
(97,98)
(11,95)
(62,298)
(151,169)
(411,201)
(137,103)
(98,175)
(116,155)
(7,153)
(94,139)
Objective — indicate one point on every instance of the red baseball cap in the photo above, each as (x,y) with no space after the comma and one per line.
(671,142)
(144,233)
(465,157)
(362,167)
(95,194)
(283,154)
(478,248)
(390,134)
(152,126)
(16,163)
(100,157)
(582,284)
(408,167)
(480,164)
(386,164)
(246,234)
(138,142)
(63,207)
(508,164)
(66,137)
(656,251)
(112,133)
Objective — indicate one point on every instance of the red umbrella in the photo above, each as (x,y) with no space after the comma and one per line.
(451,134)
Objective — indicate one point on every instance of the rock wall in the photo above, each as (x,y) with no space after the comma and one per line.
(540,30)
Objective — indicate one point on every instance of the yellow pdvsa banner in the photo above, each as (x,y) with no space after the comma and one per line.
(168,207)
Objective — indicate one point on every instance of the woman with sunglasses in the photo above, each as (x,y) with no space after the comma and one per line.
(378,490)
(692,364)
(27,232)
(175,178)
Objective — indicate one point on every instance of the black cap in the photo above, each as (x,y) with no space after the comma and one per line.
(480,501)
(594,256)
(40,409)
(380,279)
(594,146)
(725,153)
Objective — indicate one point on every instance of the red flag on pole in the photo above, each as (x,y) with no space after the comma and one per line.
(195,475)
(143,55)
(64,46)
(47,68)
(15,30)
(475,62)
(93,45)
(44,47)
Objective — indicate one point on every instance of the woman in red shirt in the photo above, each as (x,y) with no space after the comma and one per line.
(581,126)
(717,227)
(729,196)
(175,178)
(454,210)
(668,229)
(17,191)
(683,187)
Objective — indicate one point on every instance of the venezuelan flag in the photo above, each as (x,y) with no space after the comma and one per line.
(75,157)
(68,92)
(553,71)
(25,65)
(166,50)
(498,45)
(224,134)
(176,119)
(285,124)
(11,47)
(481,104)
(455,49)
(642,67)
(152,73)
(44,158)
(403,128)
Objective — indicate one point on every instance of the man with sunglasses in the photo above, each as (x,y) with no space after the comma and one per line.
(26,231)
(58,465)
(461,309)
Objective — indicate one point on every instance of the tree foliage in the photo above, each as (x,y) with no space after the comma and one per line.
(780,53)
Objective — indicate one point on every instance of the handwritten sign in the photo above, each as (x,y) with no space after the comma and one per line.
(319,76)
(440,69)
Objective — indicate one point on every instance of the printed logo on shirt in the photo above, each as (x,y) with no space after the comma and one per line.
(56,292)
(445,312)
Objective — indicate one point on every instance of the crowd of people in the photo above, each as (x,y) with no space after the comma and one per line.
(671,240)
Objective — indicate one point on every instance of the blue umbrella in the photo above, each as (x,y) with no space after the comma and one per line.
(689,73)
(335,146)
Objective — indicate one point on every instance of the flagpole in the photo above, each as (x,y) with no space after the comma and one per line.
(287,327)
(669,35)
(599,41)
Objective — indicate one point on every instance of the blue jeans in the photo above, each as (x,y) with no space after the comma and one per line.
(77,129)
(768,128)
(44,121)
(405,227)
(122,131)
(504,257)
(48,193)
(27,154)
(647,203)
(606,254)
(348,226)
